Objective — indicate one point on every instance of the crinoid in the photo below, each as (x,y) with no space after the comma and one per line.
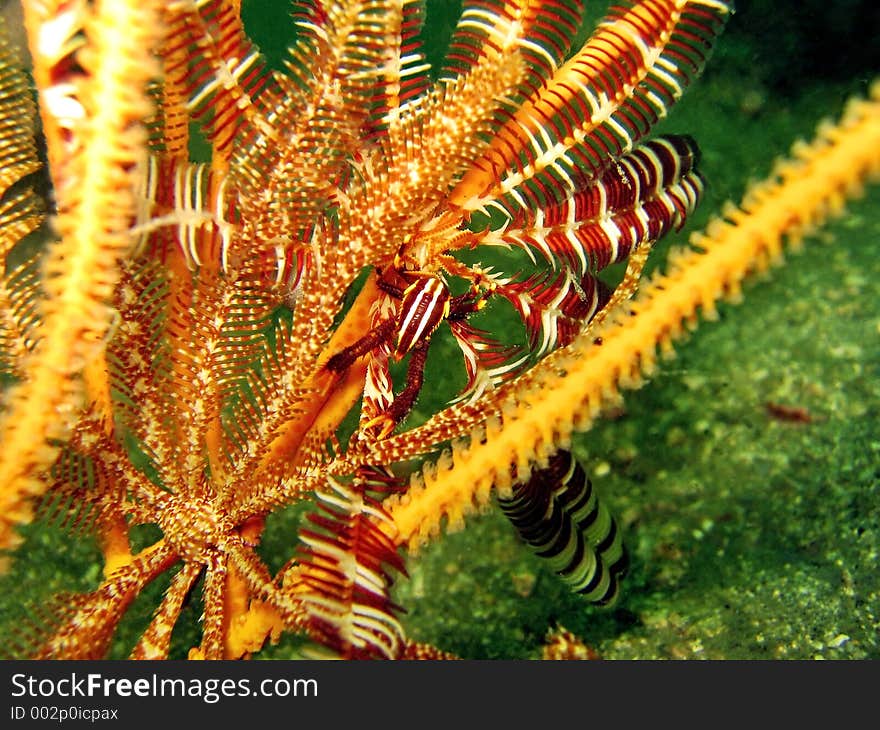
(211,342)
(193,327)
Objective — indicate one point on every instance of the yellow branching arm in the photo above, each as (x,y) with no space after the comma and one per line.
(95,118)
(570,388)
(20,210)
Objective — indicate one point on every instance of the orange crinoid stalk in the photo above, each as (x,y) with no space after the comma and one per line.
(190,347)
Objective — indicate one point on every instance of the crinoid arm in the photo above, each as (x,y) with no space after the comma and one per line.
(93,108)
(558,513)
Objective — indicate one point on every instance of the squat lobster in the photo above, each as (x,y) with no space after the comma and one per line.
(425,302)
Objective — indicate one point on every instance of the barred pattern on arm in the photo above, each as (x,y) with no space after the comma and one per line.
(558,513)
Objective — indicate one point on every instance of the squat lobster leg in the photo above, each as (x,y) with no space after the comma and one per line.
(342,360)
(404,401)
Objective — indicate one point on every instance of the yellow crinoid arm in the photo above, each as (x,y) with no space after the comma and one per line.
(20,209)
(93,120)
(571,387)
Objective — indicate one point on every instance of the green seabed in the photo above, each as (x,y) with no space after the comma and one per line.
(749,537)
